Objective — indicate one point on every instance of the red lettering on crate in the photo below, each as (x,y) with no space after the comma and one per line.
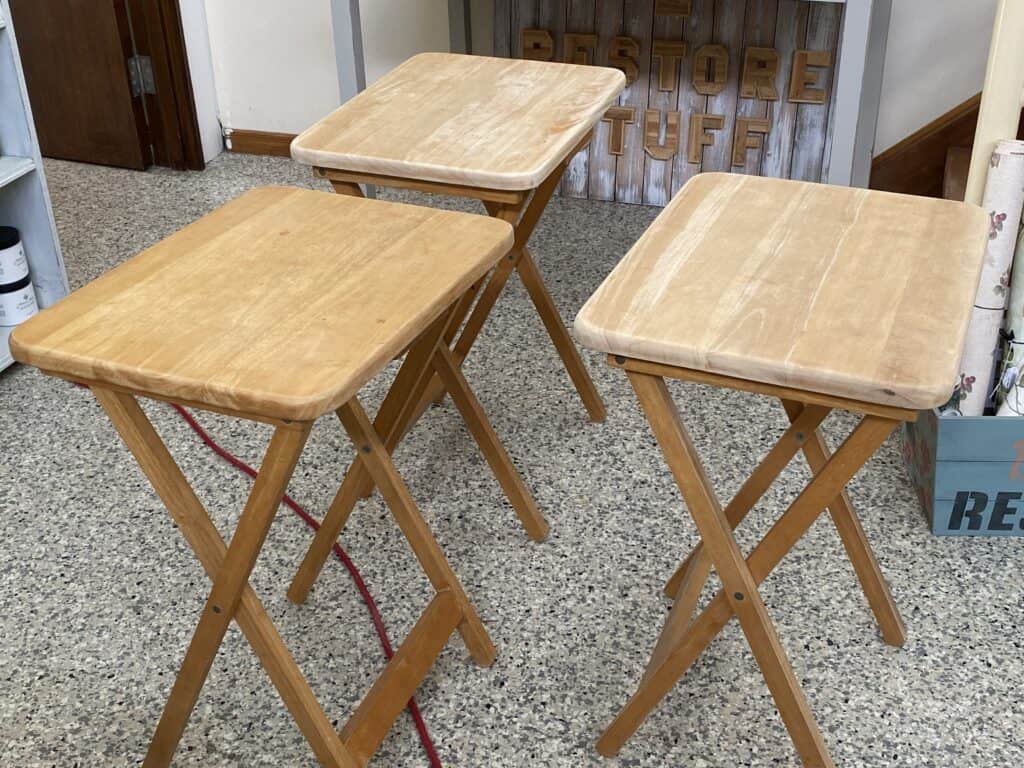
(1015,470)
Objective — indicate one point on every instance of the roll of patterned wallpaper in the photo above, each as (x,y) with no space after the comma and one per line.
(979,360)
(1004,199)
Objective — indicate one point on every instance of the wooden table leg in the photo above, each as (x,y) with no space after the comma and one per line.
(461,312)
(476,421)
(409,384)
(462,309)
(738,583)
(253,525)
(559,334)
(740,577)
(195,524)
(378,462)
(397,413)
(524,219)
(752,490)
(851,533)
(481,311)
(693,573)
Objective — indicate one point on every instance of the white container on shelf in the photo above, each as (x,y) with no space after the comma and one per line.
(17,302)
(13,264)
(24,199)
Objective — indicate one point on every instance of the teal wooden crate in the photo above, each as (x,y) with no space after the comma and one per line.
(968,472)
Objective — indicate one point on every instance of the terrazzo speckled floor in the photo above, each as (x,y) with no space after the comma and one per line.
(99,595)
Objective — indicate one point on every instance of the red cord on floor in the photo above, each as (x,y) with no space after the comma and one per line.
(364,592)
(357,578)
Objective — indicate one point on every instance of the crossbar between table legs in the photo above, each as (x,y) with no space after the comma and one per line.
(376,714)
(202,536)
(872,582)
(524,217)
(403,508)
(740,577)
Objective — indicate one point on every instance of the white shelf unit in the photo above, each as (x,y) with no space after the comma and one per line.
(13,168)
(24,199)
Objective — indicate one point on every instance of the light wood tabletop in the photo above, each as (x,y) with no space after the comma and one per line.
(282,303)
(848,292)
(470,120)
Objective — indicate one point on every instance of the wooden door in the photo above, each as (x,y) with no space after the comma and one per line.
(108,81)
(75,55)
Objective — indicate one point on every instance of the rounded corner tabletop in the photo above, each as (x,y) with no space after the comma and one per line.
(476,121)
(295,299)
(500,131)
(824,297)
(820,288)
(278,307)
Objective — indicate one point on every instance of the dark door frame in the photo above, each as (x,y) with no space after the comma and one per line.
(173,126)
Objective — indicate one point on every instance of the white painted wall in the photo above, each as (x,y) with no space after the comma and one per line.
(935,60)
(200,64)
(394,30)
(274,66)
(273,62)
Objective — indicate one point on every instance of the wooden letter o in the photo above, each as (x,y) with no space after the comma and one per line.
(537,44)
(710,69)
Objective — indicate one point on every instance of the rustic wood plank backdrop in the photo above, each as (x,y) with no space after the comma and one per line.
(743,86)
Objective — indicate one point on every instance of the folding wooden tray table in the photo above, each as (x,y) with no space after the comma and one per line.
(501,131)
(497,130)
(824,297)
(277,308)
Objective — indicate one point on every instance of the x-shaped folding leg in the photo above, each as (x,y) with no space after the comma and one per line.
(682,639)
(523,215)
(232,598)
(427,356)
(688,581)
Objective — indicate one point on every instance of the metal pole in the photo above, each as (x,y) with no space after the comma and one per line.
(348,53)
(348,48)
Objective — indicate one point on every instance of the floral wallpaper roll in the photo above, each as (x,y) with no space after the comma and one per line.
(1004,199)
(975,383)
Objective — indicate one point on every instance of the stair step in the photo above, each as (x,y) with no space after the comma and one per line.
(958,165)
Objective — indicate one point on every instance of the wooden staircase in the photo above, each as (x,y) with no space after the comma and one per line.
(954,180)
(933,161)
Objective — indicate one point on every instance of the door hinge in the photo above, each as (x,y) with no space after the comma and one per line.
(140,73)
